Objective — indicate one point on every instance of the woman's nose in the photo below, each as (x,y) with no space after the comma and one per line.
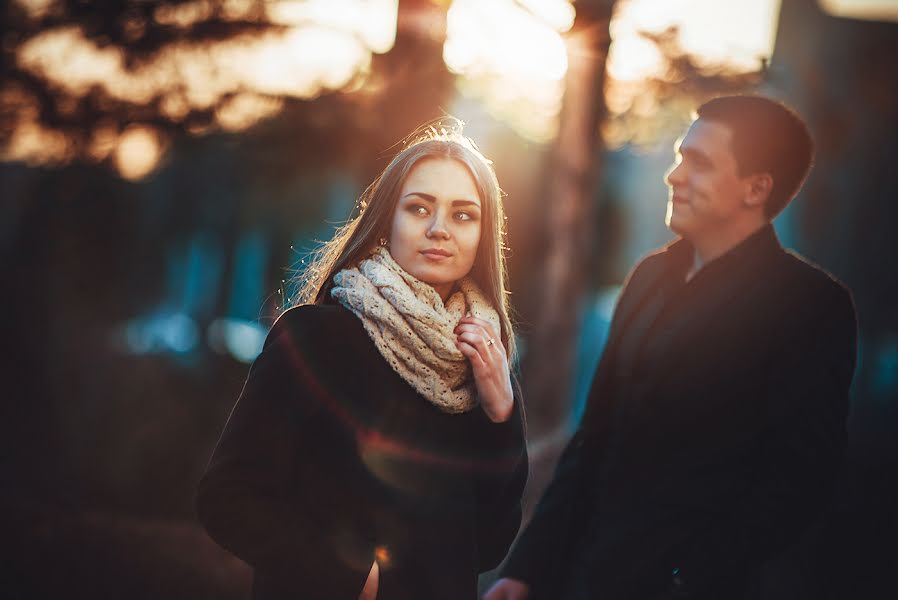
(437,228)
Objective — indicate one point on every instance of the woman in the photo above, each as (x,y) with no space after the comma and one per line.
(377,449)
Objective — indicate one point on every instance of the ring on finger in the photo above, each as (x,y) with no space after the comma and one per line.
(490,342)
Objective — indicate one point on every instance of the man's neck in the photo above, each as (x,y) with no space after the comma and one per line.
(707,249)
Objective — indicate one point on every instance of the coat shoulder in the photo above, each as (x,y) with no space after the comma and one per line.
(817,284)
(819,304)
(316,323)
(649,264)
(328,336)
(652,259)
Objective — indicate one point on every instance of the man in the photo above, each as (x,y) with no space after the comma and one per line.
(716,418)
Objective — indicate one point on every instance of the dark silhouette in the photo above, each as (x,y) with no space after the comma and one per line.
(716,419)
(377,449)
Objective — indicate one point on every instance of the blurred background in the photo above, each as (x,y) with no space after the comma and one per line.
(167,165)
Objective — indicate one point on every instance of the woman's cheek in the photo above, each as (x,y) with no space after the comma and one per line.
(472,240)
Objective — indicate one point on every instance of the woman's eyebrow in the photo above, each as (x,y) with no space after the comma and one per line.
(431,198)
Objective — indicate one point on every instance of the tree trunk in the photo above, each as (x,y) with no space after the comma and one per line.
(548,366)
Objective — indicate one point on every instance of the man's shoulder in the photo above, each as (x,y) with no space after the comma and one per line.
(656,255)
(802,271)
(812,283)
(651,262)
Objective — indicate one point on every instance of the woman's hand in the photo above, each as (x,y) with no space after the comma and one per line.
(483,348)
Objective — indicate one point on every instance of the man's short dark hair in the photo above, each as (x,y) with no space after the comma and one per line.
(768,137)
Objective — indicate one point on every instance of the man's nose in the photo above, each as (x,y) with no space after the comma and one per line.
(674,175)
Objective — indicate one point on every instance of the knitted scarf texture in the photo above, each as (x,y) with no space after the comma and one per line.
(412,327)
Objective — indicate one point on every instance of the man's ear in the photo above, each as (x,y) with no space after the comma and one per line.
(759,188)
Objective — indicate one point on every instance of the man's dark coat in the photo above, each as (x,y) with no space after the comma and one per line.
(713,433)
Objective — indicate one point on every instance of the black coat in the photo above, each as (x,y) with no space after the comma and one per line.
(330,458)
(713,433)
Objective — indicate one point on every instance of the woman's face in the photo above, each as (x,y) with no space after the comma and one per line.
(436,226)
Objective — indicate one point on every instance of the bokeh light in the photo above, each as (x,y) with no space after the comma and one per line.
(512,56)
(299,62)
(874,10)
(725,37)
(737,34)
(372,21)
(309,47)
(138,152)
(37,9)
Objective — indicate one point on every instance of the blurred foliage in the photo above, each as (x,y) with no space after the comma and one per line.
(127,25)
(47,121)
(659,108)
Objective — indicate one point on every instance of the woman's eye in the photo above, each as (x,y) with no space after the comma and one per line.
(418,209)
(464,215)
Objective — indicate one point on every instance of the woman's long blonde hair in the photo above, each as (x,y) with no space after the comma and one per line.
(355,240)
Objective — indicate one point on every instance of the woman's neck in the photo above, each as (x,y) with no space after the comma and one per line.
(444,290)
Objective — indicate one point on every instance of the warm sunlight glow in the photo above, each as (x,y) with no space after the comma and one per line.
(33,144)
(184,14)
(557,15)
(738,34)
(323,45)
(103,142)
(512,55)
(299,62)
(37,9)
(730,36)
(139,150)
(873,10)
(244,110)
(373,21)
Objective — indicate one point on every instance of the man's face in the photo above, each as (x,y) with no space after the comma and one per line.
(707,195)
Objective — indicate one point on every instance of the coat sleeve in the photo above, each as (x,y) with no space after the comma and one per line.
(543,542)
(249,499)
(500,482)
(809,401)
(544,545)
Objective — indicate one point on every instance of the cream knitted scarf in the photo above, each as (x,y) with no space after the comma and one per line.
(412,327)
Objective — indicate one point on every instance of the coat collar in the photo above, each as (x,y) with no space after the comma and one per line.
(692,308)
(760,244)
(668,271)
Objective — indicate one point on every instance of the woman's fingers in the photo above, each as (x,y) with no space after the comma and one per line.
(478,342)
(475,320)
(475,331)
(472,354)
(483,325)
(487,335)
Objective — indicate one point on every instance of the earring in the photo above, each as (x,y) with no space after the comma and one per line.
(382,242)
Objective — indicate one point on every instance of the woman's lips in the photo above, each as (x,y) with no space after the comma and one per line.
(437,254)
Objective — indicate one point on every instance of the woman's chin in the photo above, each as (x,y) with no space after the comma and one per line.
(436,277)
